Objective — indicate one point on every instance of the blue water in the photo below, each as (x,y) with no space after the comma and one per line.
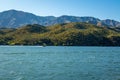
(59,63)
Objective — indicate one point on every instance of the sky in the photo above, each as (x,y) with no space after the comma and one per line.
(102,9)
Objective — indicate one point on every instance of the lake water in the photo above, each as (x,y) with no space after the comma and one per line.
(59,63)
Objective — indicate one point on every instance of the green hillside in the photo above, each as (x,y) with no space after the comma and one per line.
(69,34)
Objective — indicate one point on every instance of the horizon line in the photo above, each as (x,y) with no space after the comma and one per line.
(57,16)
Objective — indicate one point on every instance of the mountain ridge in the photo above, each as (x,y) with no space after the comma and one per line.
(14,19)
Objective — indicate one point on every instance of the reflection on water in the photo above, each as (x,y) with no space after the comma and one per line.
(59,63)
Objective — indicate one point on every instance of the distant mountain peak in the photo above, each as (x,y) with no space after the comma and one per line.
(11,10)
(15,18)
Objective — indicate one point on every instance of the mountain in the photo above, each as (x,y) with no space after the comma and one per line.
(14,19)
(67,34)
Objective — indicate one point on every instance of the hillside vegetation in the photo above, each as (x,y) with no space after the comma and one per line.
(68,34)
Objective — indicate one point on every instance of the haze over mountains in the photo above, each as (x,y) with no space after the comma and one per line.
(14,19)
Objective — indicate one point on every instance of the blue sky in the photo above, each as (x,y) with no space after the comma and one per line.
(103,9)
